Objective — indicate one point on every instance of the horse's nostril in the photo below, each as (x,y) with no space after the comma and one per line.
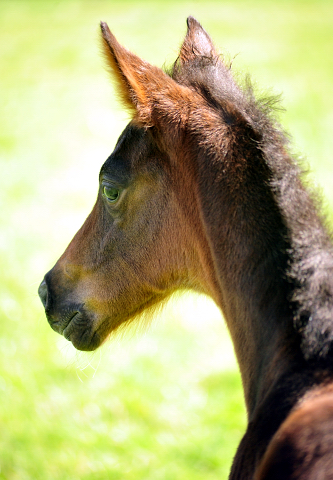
(42,292)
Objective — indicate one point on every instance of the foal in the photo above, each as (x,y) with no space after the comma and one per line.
(201,193)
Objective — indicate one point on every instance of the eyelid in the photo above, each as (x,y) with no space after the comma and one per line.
(111,183)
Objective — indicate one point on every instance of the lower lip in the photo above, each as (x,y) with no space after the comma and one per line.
(66,333)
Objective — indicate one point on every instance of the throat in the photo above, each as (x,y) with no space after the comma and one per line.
(251,263)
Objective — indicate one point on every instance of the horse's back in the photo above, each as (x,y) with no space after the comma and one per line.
(302,448)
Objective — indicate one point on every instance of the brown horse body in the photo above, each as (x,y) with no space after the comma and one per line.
(201,193)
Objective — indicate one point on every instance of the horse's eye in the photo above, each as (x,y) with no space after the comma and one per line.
(111,194)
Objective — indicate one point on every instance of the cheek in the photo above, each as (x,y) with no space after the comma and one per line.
(111,300)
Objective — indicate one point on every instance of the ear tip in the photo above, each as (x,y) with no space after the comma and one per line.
(105,29)
(107,35)
(192,22)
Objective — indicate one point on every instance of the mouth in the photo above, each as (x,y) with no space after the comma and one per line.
(77,327)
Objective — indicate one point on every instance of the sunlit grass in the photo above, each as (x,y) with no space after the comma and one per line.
(166,404)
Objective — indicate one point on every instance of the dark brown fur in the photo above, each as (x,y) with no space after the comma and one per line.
(211,200)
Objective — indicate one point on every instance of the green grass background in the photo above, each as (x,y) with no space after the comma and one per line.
(166,404)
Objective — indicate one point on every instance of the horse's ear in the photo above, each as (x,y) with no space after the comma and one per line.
(197,42)
(146,91)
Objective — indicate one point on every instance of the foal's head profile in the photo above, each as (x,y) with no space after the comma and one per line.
(143,239)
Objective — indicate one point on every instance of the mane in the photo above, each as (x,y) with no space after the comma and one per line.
(308,241)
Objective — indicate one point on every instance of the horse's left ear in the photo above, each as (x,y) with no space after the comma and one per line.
(148,92)
(197,43)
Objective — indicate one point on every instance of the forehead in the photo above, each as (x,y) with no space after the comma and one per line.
(132,147)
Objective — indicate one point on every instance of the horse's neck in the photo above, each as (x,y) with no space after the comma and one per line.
(248,245)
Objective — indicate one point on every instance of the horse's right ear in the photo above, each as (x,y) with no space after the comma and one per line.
(148,92)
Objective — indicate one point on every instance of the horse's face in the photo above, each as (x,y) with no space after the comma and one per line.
(131,252)
(144,237)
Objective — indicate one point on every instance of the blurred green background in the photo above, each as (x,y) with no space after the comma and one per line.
(166,404)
